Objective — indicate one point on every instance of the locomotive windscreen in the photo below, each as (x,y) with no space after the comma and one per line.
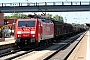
(26,23)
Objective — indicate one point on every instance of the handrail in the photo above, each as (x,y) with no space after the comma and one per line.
(46,3)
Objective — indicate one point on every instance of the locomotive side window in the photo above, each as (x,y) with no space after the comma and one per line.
(47,21)
(50,21)
(26,23)
(43,21)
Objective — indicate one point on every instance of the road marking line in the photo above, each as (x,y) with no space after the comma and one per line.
(88,47)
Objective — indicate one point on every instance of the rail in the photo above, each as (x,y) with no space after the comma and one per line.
(46,3)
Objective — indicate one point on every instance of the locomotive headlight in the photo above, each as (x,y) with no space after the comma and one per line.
(19,35)
(18,32)
(32,32)
(33,35)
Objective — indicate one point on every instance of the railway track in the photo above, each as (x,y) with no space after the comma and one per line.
(62,53)
(17,53)
(6,47)
(47,51)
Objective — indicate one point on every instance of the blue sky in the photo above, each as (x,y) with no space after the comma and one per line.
(82,17)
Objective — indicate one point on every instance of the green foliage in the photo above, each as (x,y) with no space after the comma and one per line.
(18,15)
(79,25)
(58,18)
(82,25)
(7,17)
(15,16)
(73,24)
(49,15)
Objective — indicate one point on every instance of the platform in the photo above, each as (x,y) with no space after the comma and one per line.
(82,51)
(7,41)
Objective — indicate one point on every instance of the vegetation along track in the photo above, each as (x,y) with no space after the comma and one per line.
(18,53)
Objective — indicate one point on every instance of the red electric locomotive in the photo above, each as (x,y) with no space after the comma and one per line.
(33,31)
(39,29)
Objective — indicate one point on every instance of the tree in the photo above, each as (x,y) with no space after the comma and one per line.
(6,17)
(73,24)
(49,15)
(78,25)
(82,25)
(18,15)
(58,18)
(15,16)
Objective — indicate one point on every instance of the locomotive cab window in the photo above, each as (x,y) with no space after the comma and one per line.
(26,23)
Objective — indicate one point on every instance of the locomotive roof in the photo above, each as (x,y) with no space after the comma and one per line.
(25,19)
(38,16)
(45,17)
